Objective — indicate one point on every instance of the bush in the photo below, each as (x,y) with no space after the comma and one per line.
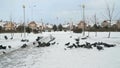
(20,28)
(77,30)
(35,31)
(28,30)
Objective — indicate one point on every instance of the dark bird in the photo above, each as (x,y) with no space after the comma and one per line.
(38,46)
(70,46)
(87,43)
(108,45)
(24,46)
(11,38)
(57,43)
(53,43)
(65,49)
(70,36)
(38,38)
(27,40)
(2,47)
(5,37)
(4,52)
(67,44)
(77,39)
(48,44)
(77,42)
(33,43)
(39,43)
(94,44)
(74,45)
(9,46)
(84,38)
(99,48)
(23,40)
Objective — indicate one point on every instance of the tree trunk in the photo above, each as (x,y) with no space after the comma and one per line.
(88,33)
(96,34)
(109,34)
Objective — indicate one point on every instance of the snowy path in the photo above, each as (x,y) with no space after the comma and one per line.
(56,57)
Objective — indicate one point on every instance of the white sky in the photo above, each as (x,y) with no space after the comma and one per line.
(48,10)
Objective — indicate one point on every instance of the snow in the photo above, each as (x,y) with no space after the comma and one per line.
(56,57)
(66,26)
(16,42)
(2,24)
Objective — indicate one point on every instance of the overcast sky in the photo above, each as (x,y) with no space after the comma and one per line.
(49,10)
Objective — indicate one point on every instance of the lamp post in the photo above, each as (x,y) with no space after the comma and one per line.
(70,24)
(24,19)
(33,11)
(57,20)
(83,6)
(42,28)
(11,26)
(96,25)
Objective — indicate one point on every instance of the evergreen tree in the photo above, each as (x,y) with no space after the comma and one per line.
(60,28)
(0,28)
(54,27)
(95,26)
(20,28)
(28,30)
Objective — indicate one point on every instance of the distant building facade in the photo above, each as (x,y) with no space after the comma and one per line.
(32,25)
(82,25)
(105,24)
(9,26)
(118,24)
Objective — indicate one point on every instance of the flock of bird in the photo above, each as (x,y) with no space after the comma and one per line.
(98,45)
(38,43)
(87,45)
(3,47)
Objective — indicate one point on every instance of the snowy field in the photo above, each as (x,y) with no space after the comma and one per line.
(58,55)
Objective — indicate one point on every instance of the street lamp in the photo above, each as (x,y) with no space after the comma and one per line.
(57,20)
(70,24)
(24,19)
(32,7)
(83,6)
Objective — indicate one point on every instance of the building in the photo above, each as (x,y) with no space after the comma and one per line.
(105,24)
(66,26)
(48,27)
(36,25)
(32,25)
(40,26)
(2,24)
(69,26)
(118,24)
(9,26)
(82,25)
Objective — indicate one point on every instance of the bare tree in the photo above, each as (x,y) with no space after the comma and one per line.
(83,8)
(94,20)
(110,13)
(88,22)
(11,26)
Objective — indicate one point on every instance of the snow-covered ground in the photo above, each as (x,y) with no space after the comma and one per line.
(56,56)
(16,43)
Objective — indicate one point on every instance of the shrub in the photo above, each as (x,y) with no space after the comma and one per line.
(77,30)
